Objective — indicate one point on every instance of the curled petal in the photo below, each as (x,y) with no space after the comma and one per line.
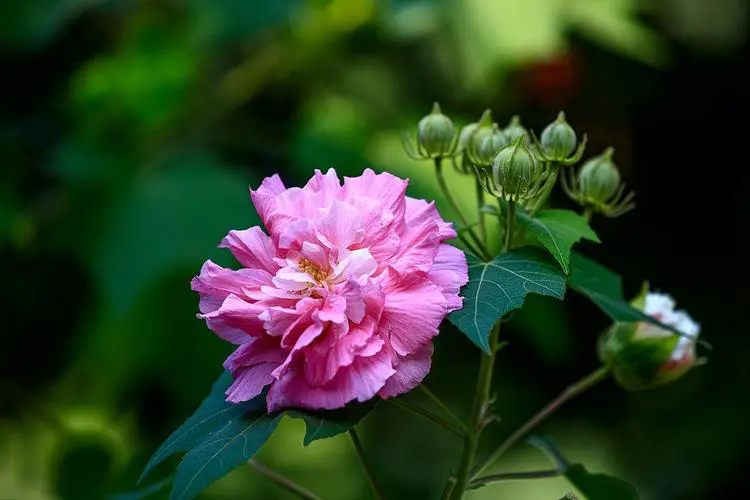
(410,371)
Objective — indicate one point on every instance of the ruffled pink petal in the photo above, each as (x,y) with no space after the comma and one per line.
(252,248)
(316,254)
(249,382)
(410,371)
(334,309)
(236,320)
(324,361)
(356,307)
(361,381)
(418,246)
(303,340)
(340,226)
(450,272)
(356,264)
(388,190)
(263,349)
(214,283)
(327,185)
(264,198)
(414,308)
(419,210)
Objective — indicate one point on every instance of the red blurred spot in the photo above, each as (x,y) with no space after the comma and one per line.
(552,82)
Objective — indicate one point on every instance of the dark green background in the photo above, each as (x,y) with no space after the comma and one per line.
(130,130)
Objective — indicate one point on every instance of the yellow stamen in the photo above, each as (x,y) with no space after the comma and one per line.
(306,266)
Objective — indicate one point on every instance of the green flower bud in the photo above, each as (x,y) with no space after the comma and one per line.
(599,178)
(435,134)
(491,144)
(643,355)
(482,130)
(514,130)
(516,170)
(465,135)
(558,139)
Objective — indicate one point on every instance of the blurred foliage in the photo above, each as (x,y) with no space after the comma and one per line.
(130,130)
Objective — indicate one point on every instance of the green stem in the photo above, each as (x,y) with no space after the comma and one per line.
(458,431)
(283,481)
(469,245)
(477,421)
(480,204)
(447,195)
(549,184)
(588,213)
(443,407)
(365,464)
(570,392)
(512,476)
(510,219)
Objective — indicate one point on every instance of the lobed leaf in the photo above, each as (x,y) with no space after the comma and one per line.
(558,230)
(500,285)
(223,449)
(604,288)
(219,436)
(599,486)
(212,412)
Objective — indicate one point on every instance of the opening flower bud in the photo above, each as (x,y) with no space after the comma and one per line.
(514,130)
(516,171)
(643,355)
(491,144)
(558,139)
(435,134)
(599,178)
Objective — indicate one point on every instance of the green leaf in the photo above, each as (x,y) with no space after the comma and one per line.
(604,288)
(501,285)
(599,486)
(321,424)
(593,486)
(212,412)
(142,493)
(558,230)
(220,436)
(231,444)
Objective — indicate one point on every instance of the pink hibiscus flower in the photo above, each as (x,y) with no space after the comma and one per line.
(342,300)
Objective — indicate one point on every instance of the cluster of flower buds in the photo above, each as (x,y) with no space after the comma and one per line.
(643,355)
(512,164)
(597,186)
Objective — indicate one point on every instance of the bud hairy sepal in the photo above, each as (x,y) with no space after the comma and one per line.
(491,146)
(558,142)
(643,355)
(597,186)
(436,137)
(514,129)
(516,173)
(484,129)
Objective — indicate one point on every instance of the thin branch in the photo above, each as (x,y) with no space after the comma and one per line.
(569,392)
(443,407)
(283,481)
(514,476)
(449,426)
(365,464)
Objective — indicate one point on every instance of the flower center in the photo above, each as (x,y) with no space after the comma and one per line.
(307,266)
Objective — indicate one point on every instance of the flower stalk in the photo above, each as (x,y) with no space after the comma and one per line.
(569,393)
(365,464)
(283,481)
(482,250)
(478,418)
